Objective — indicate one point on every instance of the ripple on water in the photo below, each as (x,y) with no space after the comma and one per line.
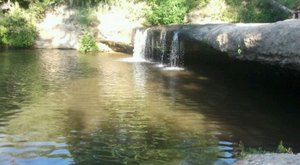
(91,110)
(133,60)
(22,150)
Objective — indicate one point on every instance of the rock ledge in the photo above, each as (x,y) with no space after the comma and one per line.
(270,159)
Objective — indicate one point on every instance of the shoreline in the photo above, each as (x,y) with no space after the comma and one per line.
(269,159)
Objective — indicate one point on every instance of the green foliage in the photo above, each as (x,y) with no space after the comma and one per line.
(38,8)
(169,11)
(87,3)
(253,11)
(246,151)
(3,29)
(74,3)
(85,17)
(16,30)
(87,43)
(282,149)
(292,4)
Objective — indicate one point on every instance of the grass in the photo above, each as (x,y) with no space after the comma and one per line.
(247,151)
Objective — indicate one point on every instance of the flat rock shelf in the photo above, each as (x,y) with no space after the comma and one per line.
(270,159)
(273,43)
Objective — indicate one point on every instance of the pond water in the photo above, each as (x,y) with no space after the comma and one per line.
(60,107)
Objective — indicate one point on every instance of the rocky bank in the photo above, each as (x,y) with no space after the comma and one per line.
(270,159)
(274,43)
(112,27)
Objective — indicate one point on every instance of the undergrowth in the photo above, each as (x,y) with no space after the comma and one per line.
(17,29)
(87,43)
(246,151)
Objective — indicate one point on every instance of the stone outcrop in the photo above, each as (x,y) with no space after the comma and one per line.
(112,28)
(58,30)
(274,43)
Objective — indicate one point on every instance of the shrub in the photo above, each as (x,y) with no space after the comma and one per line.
(282,149)
(87,43)
(246,151)
(169,11)
(3,29)
(86,17)
(253,11)
(292,4)
(16,30)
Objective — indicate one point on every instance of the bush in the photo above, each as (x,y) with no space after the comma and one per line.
(16,30)
(253,11)
(292,4)
(87,43)
(2,28)
(86,17)
(282,149)
(169,11)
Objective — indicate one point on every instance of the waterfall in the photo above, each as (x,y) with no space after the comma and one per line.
(150,44)
(176,52)
(162,46)
(162,39)
(140,44)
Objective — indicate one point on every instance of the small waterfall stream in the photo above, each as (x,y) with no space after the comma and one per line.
(162,46)
(140,41)
(162,39)
(175,51)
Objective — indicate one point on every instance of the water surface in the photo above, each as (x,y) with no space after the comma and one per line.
(60,107)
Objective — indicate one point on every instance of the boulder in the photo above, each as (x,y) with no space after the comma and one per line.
(274,43)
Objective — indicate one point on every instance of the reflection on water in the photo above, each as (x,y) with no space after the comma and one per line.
(59,107)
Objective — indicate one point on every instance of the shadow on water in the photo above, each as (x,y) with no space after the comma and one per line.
(258,104)
(15,82)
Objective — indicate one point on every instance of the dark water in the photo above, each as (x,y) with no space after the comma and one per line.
(59,107)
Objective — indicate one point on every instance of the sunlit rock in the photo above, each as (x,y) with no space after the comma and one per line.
(273,43)
(57,30)
(113,25)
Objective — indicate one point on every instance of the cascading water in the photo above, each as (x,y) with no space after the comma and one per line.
(140,44)
(176,52)
(150,44)
(162,39)
(156,45)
